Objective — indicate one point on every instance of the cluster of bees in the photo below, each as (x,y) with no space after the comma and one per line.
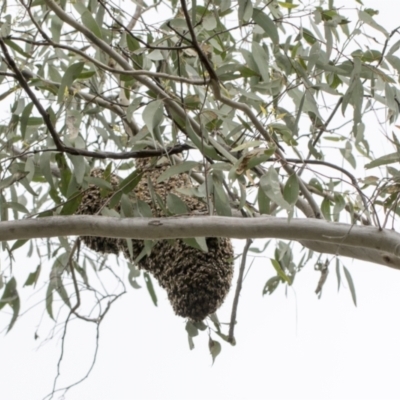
(195,280)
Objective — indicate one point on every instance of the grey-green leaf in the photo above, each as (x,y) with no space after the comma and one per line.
(153,115)
(291,189)
(176,205)
(70,75)
(351,285)
(177,169)
(150,288)
(266,24)
(215,348)
(271,186)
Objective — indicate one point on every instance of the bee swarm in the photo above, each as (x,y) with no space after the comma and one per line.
(196,282)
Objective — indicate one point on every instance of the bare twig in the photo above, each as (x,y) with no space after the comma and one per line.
(231,336)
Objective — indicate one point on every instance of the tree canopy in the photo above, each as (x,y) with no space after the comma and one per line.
(273,109)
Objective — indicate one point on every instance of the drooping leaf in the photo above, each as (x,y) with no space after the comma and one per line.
(69,77)
(215,348)
(267,24)
(384,160)
(150,288)
(291,189)
(351,285)
(11,298)
(198,243)
(270,184)
(245,11)
(176,205)
(177,169)
(153,115)
(367,18)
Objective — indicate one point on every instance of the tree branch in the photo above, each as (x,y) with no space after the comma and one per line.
(231,336)
(362,242)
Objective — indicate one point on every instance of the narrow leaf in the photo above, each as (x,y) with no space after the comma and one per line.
(177,169)
(267,24)
(150,288)
(70,75)
(153,115)
(351,285)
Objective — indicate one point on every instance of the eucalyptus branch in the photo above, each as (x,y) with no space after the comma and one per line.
(125,65)
(361,242)
(323,127)
(105,67)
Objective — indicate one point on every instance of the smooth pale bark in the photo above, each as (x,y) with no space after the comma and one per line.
(361,242)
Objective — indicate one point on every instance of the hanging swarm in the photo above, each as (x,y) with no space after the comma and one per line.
(92,203)
(196,282)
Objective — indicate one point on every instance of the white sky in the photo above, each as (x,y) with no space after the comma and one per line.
(288,347)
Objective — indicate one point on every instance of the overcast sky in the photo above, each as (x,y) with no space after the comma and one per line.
(289,345)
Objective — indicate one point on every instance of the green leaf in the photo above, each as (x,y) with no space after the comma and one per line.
(291,189)
(394,61)
(10,297)
(387,159)
(351,285)
(221,200)
(130,182)
(45,168)
(17,48)
(126,206)
(177,169)
(198,243)
(79,167)
(33,277)
(245,11)
(261,59)
(16,207)
(49,300)
(326,209)
(191,329)
(25,119)
(287,5)
(279,270)
(150,288)
(271,285)
(215,349)
(87,18)
(340,204)
(270,184)
(201,143)
(72,204)
(69,77)
(266,24)
(153,115)
(348,154)
(19,243)
(142,210)
(176,205)
(367,18)
(91,24)
(338,277)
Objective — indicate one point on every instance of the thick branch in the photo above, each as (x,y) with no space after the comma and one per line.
(361,242)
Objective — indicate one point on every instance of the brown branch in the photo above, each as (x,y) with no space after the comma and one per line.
(323,128)
(72,150)
(364,198)
(203,58)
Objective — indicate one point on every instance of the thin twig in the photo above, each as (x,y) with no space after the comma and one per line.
(231,337)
